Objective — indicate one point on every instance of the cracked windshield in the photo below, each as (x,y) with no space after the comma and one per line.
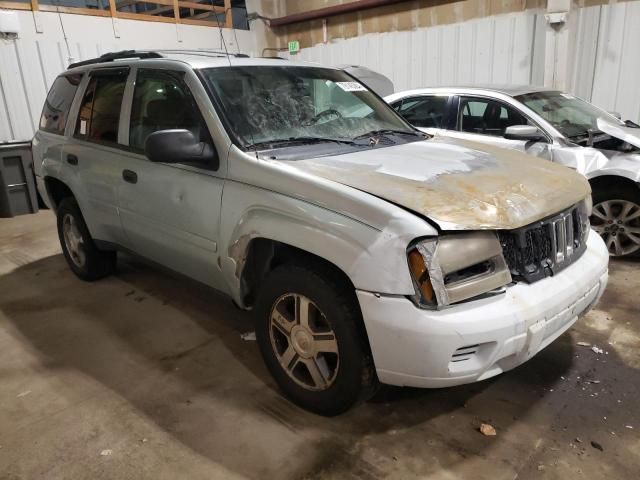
(268,107)
(570,115)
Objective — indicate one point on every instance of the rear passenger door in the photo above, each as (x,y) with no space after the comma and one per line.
(170,212)
(485,120)
(429,113)
(92,156)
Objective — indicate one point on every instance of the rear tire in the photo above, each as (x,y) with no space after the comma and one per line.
(616,217)
(320,359)
(81,253)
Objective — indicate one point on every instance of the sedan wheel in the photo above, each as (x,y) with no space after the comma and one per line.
(303,341)
(618,222)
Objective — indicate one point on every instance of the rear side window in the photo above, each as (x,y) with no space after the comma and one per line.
(58,102)
(423,111)
(99,115)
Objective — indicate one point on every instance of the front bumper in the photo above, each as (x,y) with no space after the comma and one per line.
(477,340)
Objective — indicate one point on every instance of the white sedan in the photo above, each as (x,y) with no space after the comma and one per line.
(551,125)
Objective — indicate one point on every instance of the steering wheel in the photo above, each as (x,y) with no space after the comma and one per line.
(325,113)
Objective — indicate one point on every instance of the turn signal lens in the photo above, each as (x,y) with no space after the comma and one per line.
(421,276)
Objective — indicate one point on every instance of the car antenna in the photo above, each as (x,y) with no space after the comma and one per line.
(224,45)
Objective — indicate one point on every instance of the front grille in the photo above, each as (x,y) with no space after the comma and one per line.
(546,247)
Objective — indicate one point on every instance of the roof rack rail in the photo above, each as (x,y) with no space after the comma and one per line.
(203,52)
(111,56)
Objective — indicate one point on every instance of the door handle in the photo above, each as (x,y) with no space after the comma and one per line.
(72,159)
(130,176)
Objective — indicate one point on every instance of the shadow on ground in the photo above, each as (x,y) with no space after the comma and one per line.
(172,350)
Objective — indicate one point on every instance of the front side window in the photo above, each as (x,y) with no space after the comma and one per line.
(99,115)
(58,102)
(424,111)
(487,117)
(263,104)
(161,101)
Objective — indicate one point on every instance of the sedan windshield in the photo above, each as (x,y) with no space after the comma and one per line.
(292,105)
(569,115)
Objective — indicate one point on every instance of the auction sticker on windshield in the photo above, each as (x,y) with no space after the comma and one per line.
(351,86)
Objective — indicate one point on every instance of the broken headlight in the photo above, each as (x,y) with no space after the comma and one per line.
(584,211)
(453,268)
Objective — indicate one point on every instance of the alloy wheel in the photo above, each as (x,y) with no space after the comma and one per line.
(618,222)
(73,240)
(304,342)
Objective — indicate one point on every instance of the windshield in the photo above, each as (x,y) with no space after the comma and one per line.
(267,104)
(569,115)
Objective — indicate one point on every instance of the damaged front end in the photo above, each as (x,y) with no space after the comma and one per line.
(457,267)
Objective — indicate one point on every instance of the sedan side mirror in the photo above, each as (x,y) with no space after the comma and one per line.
(527,133)
(179,146)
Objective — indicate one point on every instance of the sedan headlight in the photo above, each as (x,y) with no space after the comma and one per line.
(453,268)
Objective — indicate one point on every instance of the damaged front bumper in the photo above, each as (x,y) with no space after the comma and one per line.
(480,339)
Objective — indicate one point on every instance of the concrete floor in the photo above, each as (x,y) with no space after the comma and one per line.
(144,375)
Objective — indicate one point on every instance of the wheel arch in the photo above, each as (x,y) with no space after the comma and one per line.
(603,183)
(57,190)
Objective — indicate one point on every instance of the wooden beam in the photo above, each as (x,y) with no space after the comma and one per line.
(127,3)
(75,11)
(200,6)
(228,21)
(201,15)
(158,10)
(146,18)
(176,11)
(206,23)
(15,5)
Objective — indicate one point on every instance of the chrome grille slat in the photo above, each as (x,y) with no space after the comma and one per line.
(544,248)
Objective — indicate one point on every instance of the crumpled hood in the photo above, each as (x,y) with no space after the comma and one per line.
(624,133)
(458,184)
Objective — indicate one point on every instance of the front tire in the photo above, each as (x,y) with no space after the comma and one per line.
(616,217)
(309,329)
(81,253)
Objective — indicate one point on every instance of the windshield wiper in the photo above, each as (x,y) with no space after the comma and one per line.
(387,131)
(303,140)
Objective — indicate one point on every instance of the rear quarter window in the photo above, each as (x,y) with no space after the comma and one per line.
(58,102)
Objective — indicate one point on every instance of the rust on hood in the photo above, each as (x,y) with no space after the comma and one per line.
(460,185)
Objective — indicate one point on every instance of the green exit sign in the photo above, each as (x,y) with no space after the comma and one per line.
(294,46)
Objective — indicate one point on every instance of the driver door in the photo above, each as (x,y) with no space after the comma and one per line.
(485,120)
(170,212)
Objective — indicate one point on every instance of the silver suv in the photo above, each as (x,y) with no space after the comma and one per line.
(369,251)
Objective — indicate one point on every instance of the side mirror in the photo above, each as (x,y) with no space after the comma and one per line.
(527,133)
(179,146)
(616,114)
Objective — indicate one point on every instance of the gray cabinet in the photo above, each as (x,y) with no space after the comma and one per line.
(18,195)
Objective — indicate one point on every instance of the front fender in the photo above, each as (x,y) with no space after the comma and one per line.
(625,165)
(373,259)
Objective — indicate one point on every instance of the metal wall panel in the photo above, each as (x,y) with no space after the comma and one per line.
(498,49)
(614,65)
(29,64)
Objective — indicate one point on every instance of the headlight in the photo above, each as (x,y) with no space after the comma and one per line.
(453,268)
(588,205)
(584,211)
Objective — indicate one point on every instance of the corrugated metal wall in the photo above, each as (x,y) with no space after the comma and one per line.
(607,68)
(29,64)
(507,49)
(500,49)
